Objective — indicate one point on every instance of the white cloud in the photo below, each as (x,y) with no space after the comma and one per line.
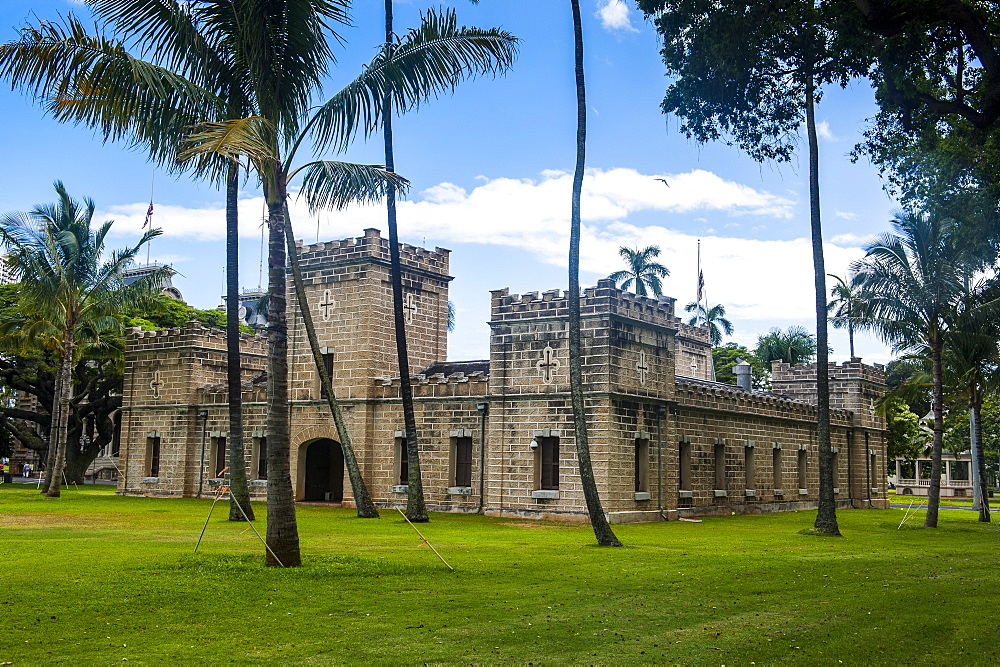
(614,15)
(850,240)
(823,131)
(846,215)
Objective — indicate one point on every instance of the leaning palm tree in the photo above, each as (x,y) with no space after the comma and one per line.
(642,272)
(714,318)
(598,520)
(73,287)
(908,280)
(842,307)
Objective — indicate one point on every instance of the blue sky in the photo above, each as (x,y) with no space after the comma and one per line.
(490,168)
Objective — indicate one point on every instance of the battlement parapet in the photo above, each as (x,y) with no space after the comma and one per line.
(605,298)
(699,333)
(436,385)
(371,246)
(193,334)
(782,371)
(730,398)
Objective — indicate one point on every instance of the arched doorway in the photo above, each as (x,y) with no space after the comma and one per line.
(324,471)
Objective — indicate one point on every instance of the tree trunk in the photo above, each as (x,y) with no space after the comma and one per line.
(826,514)
(239,491)
(362,499)
(598,520)
(937,406)
(979,460)
(50,451)
(61,425)
(416,510)
(850,338)
(282,531)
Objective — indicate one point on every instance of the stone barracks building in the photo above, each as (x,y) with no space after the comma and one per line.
(496,435)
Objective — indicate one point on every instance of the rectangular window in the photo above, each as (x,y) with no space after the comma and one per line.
(685,476)
(463,462)
(218,456)
(748,467)
(402,462)
(548,458)
(641,472)
(720,466)
(328,367)
(776,467)
(802,469)
(957,470)
(153,456)
(261,466)
(116,434)
(835,464)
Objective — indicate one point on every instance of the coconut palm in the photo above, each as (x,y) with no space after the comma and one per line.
(73,287)
(842,307)
(642,272)
(598,520)
(908,280)
(714,318)
(794,345)
(153,105)
(971,360)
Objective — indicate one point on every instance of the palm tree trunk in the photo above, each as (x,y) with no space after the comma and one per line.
(937,406)
(979,460)
(598,520)
(53,435)
(416,510)
(362,499)
(61,426)
(282,530)
(850,338)
(239,491)
(826,515)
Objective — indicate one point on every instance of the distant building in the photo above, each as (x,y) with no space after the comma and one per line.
(249,310)
(166,284)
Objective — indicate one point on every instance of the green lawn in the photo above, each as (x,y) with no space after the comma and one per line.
(93,578)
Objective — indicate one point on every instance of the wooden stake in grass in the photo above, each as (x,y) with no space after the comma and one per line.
(424,539)
(221,492)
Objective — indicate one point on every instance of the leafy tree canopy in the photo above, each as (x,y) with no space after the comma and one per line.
(795,345)
(171,313)
(729,355)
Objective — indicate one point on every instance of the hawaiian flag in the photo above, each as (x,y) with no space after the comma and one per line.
(149,215)
(701,283)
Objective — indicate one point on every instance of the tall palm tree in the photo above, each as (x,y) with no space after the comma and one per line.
(908,280)
(714,318)
(794,345)
(598,520)
(842,307)
(971,359)
(484,51)
(95,80)
(74,289)
(642,271)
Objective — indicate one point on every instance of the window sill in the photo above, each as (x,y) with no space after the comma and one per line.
(803,492)
(459,490)
(258,482)
(401,488)
(836,491)
(779,492)
(545,494)
(720,493)
(643,495)
(685,494)
(750,493)
(150,480)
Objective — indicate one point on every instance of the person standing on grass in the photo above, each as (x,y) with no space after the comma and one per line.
(26,470)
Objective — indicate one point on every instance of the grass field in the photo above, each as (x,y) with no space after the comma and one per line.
(93,578)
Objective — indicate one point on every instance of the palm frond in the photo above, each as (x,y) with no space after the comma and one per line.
(328,184)
(423,64)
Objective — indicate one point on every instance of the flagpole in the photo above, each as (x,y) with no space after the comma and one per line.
(698,281)
(149,211)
